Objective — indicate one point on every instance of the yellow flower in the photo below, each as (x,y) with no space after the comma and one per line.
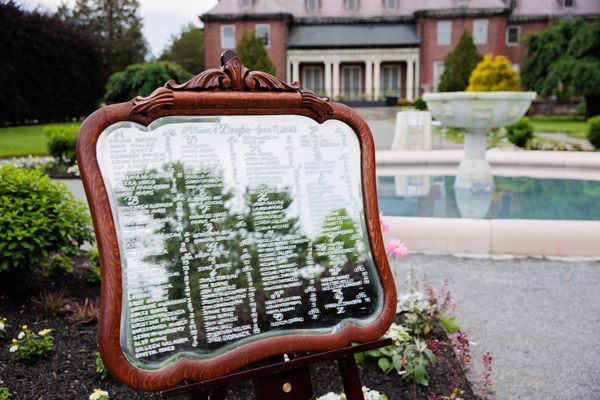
(98,394)
(24,327)
(44,332)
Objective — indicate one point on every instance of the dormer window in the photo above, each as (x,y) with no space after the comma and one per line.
(391,4)
(568,3)
(312,5)
(352,5)
(246,3)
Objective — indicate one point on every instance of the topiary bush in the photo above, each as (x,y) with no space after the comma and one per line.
(520,133)
(61,143)
(39,218)
(494,75)
(593,133)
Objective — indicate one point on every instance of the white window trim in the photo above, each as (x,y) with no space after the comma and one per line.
(485,22)
(223,27)
(268,26)
(359,89)
(313,68)
(518,35)
(437,32)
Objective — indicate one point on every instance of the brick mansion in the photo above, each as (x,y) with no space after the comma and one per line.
(371,49)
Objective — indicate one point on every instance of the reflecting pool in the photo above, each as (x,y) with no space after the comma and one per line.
(512,198)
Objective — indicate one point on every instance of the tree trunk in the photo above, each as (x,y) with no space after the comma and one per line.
(592,105)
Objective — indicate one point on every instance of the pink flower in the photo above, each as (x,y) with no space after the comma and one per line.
(384,225)
(85,265)
(396,248)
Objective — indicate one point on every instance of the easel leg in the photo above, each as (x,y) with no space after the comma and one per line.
(350,378)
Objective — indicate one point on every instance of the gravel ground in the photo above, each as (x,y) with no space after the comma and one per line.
(540,320)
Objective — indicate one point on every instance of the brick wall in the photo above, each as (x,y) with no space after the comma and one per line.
(212,41)
(431,52)
(516,53)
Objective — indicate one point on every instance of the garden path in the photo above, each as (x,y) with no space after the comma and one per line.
(539,318)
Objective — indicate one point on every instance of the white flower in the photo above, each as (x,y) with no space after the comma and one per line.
(21,335)
(331,396)
(2,326)
(13,348)
(99,394)
(44,332)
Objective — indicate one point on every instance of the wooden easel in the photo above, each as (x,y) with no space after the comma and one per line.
(284,380)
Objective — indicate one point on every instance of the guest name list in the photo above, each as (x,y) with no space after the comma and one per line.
(233,228)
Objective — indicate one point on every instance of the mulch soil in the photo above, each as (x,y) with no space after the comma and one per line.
(69,372)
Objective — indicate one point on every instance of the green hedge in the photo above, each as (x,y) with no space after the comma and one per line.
(61,143)
(520,133)
(593,133)
(39,218)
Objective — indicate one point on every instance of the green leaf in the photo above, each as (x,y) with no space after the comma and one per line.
(384,364)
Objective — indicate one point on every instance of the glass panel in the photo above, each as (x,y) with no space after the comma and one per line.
(235,228)
(262,32)
(228,36)
(391,80)
(480,31)
(444,32)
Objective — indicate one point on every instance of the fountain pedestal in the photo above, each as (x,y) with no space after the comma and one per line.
(476,112)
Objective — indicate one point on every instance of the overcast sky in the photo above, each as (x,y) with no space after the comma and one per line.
(162,18)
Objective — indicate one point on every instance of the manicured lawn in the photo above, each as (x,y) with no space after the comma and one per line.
(572,126)
(25,140)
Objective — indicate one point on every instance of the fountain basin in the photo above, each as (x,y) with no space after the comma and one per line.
(478,110)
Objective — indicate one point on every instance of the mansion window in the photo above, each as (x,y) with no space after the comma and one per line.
(312,5)
(568,3)
(228,36)
(444,32)
(351,81)
(480,31)
(351,5)
(438,70)
(390,80)
(246,3)
(312,78)
(391,4)
(263,32)
(513,35)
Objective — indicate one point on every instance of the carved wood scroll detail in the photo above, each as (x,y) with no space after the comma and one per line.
(232,76)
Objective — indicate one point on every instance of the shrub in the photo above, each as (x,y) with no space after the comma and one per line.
(4,393)
(38,217)
(520,133)
(30,346)
(61,143)
(92,265)
(593,133)
(52,303)
(100,368)
(85,313)
(459,64)
(420,104)
(253,54)
(142,79)
(493,75)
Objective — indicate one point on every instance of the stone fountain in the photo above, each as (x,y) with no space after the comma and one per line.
(476,113)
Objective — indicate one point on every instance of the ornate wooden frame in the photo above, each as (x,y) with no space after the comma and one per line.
(231,90)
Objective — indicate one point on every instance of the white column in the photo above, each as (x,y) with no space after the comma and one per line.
(328,88)
(417,79)
(295,71)
(377,80)
(369,80)
(410,76)
(336,79)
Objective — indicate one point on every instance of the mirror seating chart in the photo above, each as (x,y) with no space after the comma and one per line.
(230,236)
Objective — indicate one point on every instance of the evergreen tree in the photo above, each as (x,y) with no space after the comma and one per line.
(253,54)
(566,55)
(117,26)
(459,64)
(187,49)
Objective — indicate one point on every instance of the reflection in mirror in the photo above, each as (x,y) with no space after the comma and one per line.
(236,228)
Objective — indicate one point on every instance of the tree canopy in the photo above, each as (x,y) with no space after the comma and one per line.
(117,26)
(567,55)
(187,49)
(49,68)
(142,79)
(459,64)
(253,54)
